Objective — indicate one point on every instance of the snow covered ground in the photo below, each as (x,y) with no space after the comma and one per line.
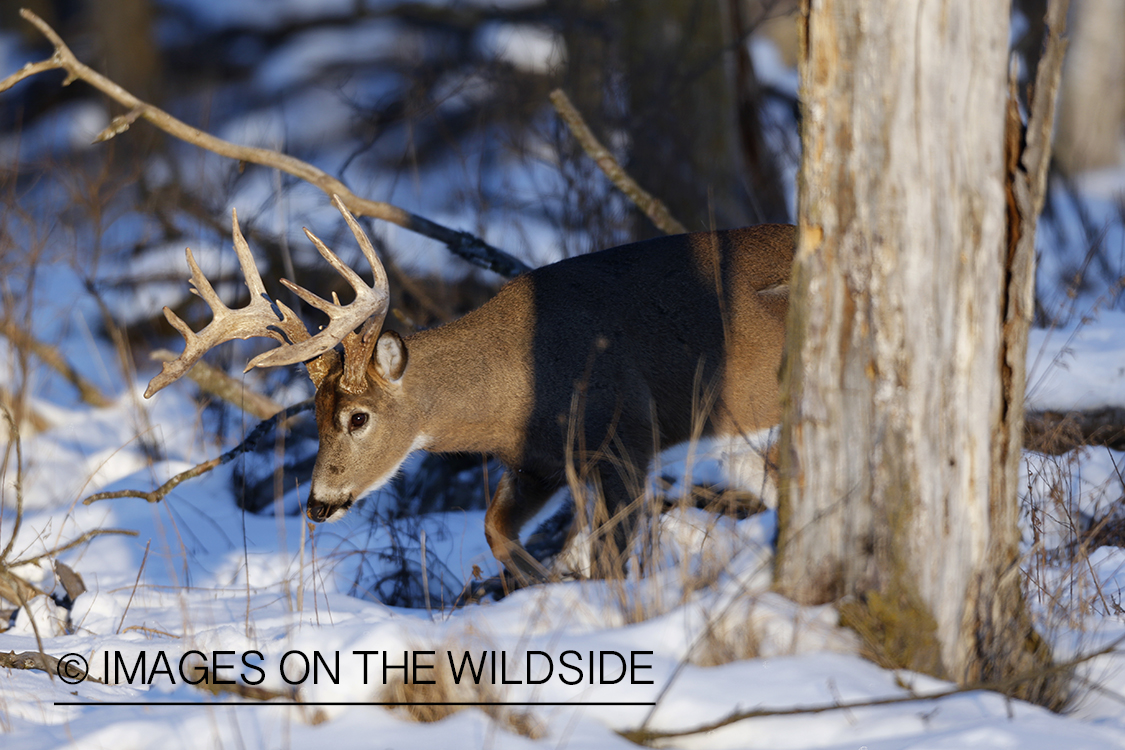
(253,598)
(264,601)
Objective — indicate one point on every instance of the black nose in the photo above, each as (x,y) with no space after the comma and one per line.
(318,511)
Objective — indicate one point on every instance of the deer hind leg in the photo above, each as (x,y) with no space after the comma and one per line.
(518,498)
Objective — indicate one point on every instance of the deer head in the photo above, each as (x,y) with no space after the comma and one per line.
(361,375)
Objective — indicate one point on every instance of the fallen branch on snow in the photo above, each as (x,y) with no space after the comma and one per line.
(155,496)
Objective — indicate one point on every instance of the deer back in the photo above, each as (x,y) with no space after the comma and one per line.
(678,328)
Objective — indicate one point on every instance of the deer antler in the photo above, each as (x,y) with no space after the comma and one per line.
(265,318)
(369,308)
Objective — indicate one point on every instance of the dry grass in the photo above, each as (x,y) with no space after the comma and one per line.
(1070,514)
(430,703)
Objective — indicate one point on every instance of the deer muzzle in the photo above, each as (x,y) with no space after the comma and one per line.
(319,511)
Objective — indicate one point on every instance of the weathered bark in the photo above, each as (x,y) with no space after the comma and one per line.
(897,415)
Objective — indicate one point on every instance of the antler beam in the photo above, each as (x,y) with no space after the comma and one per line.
(263,317)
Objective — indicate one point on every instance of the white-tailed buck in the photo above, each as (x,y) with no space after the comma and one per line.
(602,359)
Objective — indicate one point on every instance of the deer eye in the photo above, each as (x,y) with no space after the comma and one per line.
(359,419)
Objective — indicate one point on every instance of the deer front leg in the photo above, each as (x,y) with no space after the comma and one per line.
(518,498)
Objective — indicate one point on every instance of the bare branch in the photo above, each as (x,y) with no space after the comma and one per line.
(155,496)
(50,356)
(34,626)
(27,71)
(646,736)
(14,438)
(469,247)
(652,207)
(133,592)
(43,663)
(216,382)
(82,539)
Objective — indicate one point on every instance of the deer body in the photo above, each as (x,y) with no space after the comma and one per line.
(597,361)
(611,354)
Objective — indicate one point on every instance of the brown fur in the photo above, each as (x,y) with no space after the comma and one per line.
(603,358)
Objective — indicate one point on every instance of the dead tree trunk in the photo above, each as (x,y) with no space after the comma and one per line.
(897,416)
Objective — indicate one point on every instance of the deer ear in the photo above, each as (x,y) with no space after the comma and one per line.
(390,356)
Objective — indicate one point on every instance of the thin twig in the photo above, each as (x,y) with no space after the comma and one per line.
(50,356)
(155,496)
(644,736)
(464,244)
(652,206)
(140,572)
(34,627)
(14,437)
(150,631)
(87,536)
(425,576)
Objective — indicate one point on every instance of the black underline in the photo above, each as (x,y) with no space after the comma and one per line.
(353,703)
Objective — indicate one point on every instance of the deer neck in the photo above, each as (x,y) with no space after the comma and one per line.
(469,394)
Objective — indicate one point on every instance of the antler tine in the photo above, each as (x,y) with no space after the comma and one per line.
(246,260)
(193,350)
(358,347)
(258,319)
(200,287)
(364,243)
(368,308)
(354,280)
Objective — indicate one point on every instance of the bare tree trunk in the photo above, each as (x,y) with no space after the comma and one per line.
(895,404)
(129,54)
(681,127)
(765,191)
(1092,118)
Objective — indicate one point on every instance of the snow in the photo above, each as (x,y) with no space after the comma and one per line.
(254,14)
(73,125)
(247,590)
(195,580)
(308,53)
(522,45)
(1079,365)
